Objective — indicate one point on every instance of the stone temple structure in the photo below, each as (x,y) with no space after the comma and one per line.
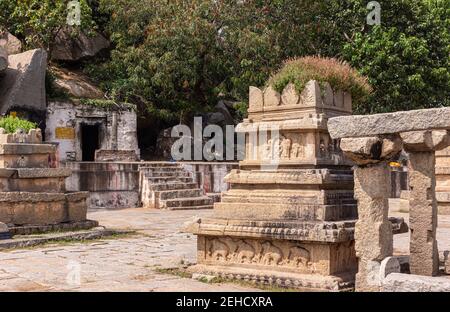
(32,190)
(289,216)
(372,142)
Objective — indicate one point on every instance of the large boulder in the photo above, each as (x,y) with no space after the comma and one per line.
(74,48)
(76,84)
(23,83)
(3,59)
(11,44)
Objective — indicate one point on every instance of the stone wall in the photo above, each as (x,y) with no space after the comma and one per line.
(111,184)
(211,176)
(116,184)
(65,119)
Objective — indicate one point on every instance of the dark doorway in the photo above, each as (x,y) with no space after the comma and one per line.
(90,141)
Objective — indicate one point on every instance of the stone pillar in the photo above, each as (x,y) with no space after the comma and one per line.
(115,125)
(373,231)
(424,258)
(421,146)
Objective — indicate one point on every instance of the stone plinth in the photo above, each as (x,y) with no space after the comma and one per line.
(289,216)
(31,192)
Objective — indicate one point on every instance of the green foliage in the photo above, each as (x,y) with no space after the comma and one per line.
(107,104)
(407,57)
(11,124)
(38,22)
(338,74)
(177,58)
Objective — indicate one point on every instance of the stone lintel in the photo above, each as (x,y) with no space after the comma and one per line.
(389,123)
(326,232)
(424,141)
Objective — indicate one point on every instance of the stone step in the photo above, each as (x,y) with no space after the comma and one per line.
(172,186)
(183,174)
(186,202)
(162,169)
(191,207)
(161,165)
(169,179)
(172,194)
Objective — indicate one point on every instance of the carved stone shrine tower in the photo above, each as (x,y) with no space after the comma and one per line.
(289,216)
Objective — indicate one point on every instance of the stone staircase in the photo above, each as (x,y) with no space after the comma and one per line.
(169,186)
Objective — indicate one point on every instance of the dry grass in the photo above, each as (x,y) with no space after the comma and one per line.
(339,74)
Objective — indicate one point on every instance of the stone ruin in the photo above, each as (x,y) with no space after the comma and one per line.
(371,142)
(32,190)
(289,216)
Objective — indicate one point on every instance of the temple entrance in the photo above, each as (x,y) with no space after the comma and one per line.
(90,141)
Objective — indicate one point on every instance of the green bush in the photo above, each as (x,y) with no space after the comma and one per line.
(11,124)
(338,74)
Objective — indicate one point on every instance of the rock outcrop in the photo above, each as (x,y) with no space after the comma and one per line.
(3,60)
(11,44)
(76,84)
(23,82)
(69,48)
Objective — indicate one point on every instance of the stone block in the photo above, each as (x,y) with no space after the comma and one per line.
(388,123)
(34,136)
(397,282)
(10,43)
(115,155)
(4,231)
(23,84)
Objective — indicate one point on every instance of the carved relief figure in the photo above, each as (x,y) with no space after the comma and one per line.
(271,255)
(245,252)
(267,150)
(285,148)
(218,250)
(298,256)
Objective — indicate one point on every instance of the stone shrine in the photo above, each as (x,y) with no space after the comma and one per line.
(289,216)
(32,190)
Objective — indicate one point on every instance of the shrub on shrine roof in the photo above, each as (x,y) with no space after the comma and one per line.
(338,74)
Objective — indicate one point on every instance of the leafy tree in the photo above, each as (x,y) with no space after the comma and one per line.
(407,57)
(38,22)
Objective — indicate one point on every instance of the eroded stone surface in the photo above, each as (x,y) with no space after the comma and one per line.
(373,231)
(378,124)
(423,214)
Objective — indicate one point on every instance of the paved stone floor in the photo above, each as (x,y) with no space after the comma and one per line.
(127,263)
(119,264)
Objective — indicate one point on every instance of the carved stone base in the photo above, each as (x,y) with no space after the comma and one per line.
(290,263)
(303,282)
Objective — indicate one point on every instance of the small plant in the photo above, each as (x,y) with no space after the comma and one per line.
(11,124)
(338,74)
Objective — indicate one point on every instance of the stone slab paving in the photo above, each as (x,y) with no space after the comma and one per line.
(129,263)
(119,264)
